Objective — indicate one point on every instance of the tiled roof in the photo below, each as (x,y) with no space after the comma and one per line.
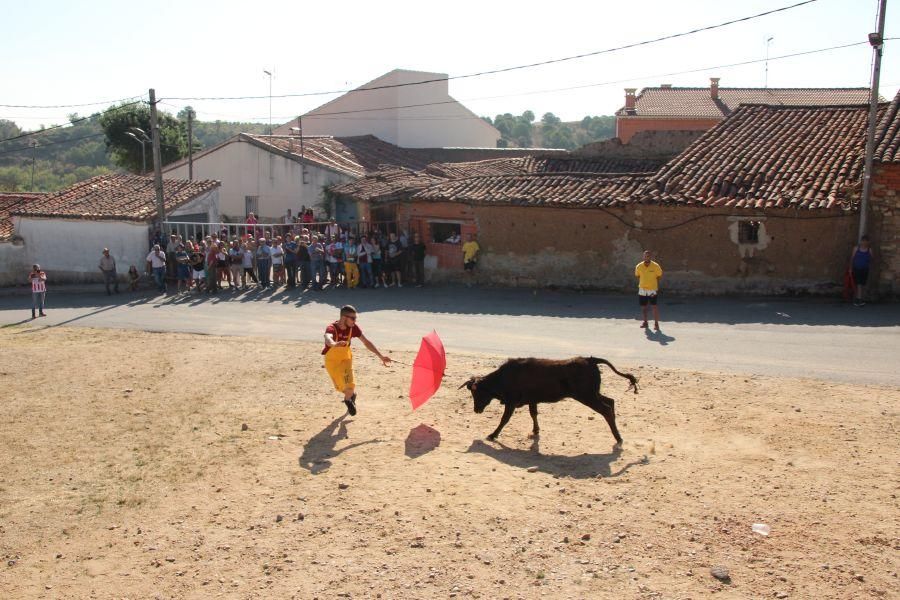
(386,184)
(575,190)
(10,202)
(692,102)
(770,157)
(888,134)
(393,183)
(353,156)
(118,197)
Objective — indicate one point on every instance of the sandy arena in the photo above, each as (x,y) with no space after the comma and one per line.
(126,472)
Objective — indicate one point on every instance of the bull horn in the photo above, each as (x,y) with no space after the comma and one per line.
(467,384)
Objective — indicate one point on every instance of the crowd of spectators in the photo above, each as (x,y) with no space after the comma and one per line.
(297,254)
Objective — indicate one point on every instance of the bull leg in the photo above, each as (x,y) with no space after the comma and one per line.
(507,413)
(605,406)
(536,431)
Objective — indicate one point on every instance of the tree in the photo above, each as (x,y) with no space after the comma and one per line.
(8,129)
(549,119)
(126,152)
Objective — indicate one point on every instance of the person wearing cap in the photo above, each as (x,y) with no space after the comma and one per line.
(108,268)
(339,356)
(156,264)
(38,280)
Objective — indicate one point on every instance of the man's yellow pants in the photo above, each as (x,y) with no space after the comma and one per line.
(339,364)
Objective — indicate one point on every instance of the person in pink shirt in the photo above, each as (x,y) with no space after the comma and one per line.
(38,280)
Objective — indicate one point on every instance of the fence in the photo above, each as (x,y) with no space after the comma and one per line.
(198,230)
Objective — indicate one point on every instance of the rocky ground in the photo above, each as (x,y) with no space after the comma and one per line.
(146,465)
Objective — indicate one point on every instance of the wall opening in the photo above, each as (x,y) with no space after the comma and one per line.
(748,232)
(442,233)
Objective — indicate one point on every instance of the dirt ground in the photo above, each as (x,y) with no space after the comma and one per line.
(126,472)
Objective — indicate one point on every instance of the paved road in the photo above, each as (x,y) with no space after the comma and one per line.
(817,338)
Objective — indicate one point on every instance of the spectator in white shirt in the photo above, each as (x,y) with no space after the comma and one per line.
(156,263)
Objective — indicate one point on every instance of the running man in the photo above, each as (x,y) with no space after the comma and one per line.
(339,356)
(648,273)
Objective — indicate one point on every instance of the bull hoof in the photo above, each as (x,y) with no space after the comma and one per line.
(617,446)
(535,435)
(492,438)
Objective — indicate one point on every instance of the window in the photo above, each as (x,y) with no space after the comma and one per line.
(448,233)
(748,232)
(251,205)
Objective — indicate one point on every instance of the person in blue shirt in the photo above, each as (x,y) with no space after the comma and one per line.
(860,261)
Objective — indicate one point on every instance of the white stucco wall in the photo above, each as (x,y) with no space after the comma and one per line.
(247,170)
(207,203)
(69,250)
(445,123)
(14,266)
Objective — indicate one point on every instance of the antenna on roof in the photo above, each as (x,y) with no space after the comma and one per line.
(768,42)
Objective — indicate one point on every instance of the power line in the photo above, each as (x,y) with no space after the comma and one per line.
(71,105)
(514,68)
(325,115)
(72,122)
(78,139)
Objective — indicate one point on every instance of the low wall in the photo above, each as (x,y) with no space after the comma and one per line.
(14,267)
(69,250)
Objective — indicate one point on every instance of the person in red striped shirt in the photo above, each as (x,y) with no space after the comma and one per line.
(38,281)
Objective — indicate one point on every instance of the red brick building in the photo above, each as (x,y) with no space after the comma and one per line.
(765,202)
(667,108)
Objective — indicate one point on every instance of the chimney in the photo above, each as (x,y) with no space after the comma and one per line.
(714,88)
(629,98)
(666,86)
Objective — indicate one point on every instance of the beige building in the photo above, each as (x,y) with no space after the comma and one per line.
(399,109)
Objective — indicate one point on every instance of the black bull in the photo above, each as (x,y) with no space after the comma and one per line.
(531,381)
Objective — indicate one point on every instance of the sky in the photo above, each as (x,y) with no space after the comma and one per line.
(98,51)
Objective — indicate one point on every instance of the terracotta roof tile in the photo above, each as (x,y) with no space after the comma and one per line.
(692,102)
(576,190)
(888,134)
(386,184)
(770,157)
(353,156)
(119,197)
(9,203)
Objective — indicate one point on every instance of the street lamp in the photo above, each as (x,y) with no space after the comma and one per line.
(34,145)
(270,99)
(143,140)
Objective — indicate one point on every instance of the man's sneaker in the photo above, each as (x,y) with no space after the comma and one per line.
(656,327)
(644,325)
(399,285)
(351,405)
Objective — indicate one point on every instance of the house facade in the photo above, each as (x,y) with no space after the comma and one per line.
(766,202)
(668,108)
(411,109)
(13,261)
(65,232)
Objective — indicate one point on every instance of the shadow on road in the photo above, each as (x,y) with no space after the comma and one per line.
(586,466)
(421,440)
(568,304)
(658,336)
(321,447)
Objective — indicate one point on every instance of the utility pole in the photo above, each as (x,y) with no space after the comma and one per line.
(877,42)
(768,41)
(33,150)
(157,160)
(269,73)
(190,116)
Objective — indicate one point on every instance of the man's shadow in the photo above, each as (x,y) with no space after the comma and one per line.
(585,466)
(321,446)
(658,336)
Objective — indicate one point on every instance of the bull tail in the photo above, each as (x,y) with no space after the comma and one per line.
(598,361)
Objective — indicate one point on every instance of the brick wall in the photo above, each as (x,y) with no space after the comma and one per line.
(885,227)
(589,248)
(626,127)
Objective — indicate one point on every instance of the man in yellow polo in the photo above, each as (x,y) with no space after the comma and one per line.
(648,273)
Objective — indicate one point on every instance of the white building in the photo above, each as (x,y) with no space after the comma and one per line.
(65,232)
(267,175)
(398,108)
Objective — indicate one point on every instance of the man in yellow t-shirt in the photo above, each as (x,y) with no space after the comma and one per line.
(470,252)
(648,273)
